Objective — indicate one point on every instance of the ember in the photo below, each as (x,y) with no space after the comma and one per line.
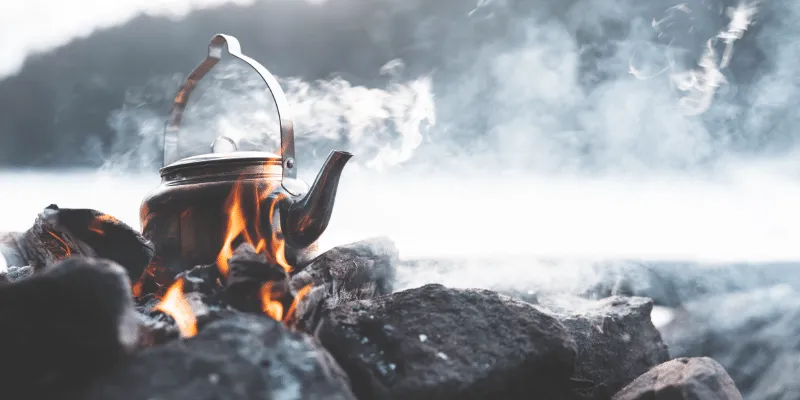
(175,305)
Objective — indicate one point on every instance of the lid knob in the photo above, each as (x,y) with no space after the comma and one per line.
(223,144)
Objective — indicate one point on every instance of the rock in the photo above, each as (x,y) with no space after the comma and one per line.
(247,273)
(63,325)
(682,379)
(616,341)
(673,284)
(157,328)
(59,233)
(13,274)
(244,357)
(204,279)
(356,271)
(438,343)
(754,335)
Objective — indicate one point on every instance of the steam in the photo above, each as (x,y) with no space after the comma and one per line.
(386,124)
(701,84)
(584,132)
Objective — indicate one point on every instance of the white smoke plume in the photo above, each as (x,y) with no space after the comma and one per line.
(233,101)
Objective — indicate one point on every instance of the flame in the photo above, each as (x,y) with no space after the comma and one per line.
(176,306)
(136,289)
(269,305)
(96,224)
(63,243)
(272,306)
(300,295)
(238,227)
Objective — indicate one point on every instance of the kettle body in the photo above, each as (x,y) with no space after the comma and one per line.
(207,205)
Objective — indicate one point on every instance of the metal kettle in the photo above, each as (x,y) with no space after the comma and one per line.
(206,204)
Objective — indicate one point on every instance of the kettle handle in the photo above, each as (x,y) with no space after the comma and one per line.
(218,42)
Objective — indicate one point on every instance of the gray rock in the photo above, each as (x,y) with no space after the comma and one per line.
(356,271)
(754,335)
(438,343)
(248,357)
(674,283)
(58,233)
(682,379)
(616,342)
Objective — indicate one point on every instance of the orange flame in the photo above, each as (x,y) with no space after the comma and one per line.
(300,295)
(63,243)
(136,289)
(272,306)
(96,224)
(238,227)
(176,306)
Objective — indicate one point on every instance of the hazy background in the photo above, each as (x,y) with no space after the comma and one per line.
(585,147)
(570,129)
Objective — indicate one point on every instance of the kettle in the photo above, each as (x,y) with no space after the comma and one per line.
(208,204)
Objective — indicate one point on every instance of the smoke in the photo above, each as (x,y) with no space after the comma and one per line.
(579,130)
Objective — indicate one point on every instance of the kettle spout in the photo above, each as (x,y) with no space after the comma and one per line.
(304,220)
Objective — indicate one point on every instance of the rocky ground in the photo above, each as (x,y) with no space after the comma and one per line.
(73,330)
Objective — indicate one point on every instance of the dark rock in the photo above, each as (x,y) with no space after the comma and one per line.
(682,379)
(438,343)
(154,331)
(157,327)
(204,279)
(356,271)
(616,341)
(59,233)
(243,357)
(248,271)
(63,325)
(754,335)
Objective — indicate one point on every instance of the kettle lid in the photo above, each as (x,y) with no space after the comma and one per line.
(224,151)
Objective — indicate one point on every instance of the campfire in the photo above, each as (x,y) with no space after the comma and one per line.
(224,295)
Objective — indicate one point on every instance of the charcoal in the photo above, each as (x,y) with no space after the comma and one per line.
(155,330)
(14,274)
(616,341)
(247,273)
(202,278)
(438,343)
(63,325)
(157,327)
(683,379)
(206,310)
(356,271)
(754,335)
(59,233)
(242,357)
